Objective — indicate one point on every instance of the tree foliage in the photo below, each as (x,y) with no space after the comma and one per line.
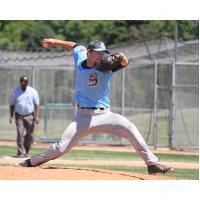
(28,34)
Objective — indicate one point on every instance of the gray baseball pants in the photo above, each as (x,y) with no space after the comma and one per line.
(87,122)
(24,141)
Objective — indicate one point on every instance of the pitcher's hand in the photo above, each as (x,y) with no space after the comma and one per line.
(48,43)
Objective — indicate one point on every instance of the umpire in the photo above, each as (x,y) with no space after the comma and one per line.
(24,104)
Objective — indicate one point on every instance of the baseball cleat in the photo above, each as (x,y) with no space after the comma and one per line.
(158,168)
(25,163)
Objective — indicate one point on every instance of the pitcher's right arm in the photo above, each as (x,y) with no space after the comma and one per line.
(50,42)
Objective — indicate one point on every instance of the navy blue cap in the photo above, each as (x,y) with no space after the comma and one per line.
(97,45)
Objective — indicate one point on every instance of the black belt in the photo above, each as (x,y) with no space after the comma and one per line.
(90,108)
(25,115)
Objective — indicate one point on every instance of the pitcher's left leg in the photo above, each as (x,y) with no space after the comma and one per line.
(131,132)
(121,126)
(118,125)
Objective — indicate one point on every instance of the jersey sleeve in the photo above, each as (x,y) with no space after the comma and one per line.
(36,99)
(12,98)
(79,53)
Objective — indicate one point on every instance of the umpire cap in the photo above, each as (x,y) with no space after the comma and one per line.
(23,78)
(97,45)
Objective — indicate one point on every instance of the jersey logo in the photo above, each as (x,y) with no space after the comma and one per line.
(93,79)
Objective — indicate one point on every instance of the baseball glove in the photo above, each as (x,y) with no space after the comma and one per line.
(108,62)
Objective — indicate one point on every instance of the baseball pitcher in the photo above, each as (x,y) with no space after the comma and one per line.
(94,67)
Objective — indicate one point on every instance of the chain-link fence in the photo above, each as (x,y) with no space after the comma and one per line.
(165,112)
(187,104)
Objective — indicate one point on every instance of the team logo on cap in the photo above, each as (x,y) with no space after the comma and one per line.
(93,79)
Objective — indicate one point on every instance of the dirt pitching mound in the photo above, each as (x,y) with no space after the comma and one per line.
(71,173)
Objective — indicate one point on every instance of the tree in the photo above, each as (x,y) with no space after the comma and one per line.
(187,29)
(29,33)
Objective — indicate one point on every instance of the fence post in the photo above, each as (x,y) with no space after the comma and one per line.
(33,76)
(45,120)
(123,98)
(155,105)
(173,106)
(123,92)
(172,139)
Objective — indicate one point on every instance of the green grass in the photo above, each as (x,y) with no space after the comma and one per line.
(104,155)
(111,155)
(188,174)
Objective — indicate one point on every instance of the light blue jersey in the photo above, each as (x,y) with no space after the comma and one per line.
(92,86)
(24,101)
